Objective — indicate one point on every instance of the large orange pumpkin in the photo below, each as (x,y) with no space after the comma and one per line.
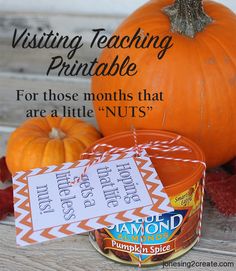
(40,142)
(197,75)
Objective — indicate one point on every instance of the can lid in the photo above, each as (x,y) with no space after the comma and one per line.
(176,176)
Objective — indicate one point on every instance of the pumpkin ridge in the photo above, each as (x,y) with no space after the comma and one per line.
(93,134)
(42,158)
(78,140)
(33,122)
(27,145)
(81,125)
(203,99)
(60,124)
(46,147)
(64,149)
(223,48)
(39,130)
(64,122)
(52,118)
(69,146)
(219,69)
(202,94)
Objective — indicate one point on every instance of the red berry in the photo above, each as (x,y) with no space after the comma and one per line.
(215,175)
(6,202)
(5,175)
(222,192)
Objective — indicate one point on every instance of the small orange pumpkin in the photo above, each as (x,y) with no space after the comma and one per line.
(40,142)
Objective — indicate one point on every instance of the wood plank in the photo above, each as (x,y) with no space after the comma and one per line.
(10,82)
(75,254)
(223,244)
(217,226)
(13,112)
(72,7)
(31,61)
(63,24)
(216,247)
(4,134)
(37,61)
(206,245)
(105,7)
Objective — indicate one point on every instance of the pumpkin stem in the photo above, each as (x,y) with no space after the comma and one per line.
(56,133)
(187,17)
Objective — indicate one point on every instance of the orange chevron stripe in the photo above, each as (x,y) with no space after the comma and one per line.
(58,168)
(18,230)
(46,233)
(76,164)
(138,213)
(23,177)
(158,196)
(152,166)
(153,188)
(63,229)
(16,200)
(15,186)
(27,238)
(147,173)
(16,214)
(141,162)
(158,204)
(102,220)
(24,191)
(122,155)
(25,221)
(156,209)
(121,216)
(24,206)
(43,170)
(83,225)
(159,200)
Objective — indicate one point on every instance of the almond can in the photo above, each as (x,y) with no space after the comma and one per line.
(169,235)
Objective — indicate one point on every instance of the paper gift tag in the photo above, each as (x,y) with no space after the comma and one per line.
(118,189)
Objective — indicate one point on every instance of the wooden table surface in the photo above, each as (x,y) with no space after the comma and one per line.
(218,244)
(75,253)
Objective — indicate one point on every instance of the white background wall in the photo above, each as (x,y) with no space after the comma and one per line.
(108,7)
